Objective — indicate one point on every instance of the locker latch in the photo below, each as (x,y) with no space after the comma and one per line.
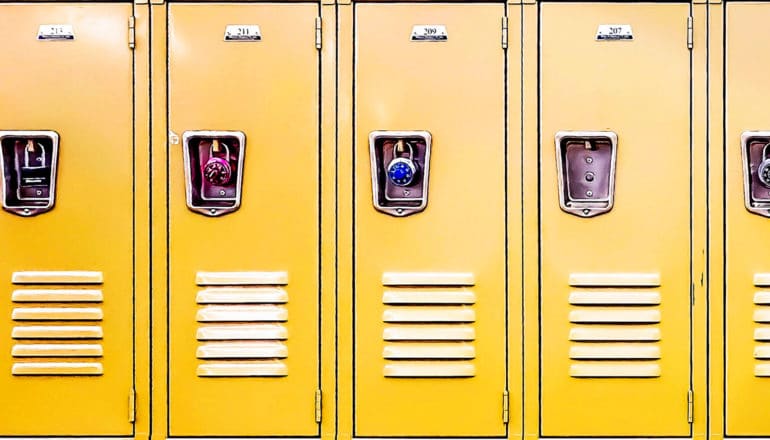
(585,162)
(29,161)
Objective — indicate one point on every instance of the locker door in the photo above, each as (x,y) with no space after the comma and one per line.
(429,260)
(747,270)
(615,228)
(68,273)
(244,255)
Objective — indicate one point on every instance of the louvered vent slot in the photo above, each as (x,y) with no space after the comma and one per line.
(242,331)
(57,329)
(762,330)
(615,328)
(429,325)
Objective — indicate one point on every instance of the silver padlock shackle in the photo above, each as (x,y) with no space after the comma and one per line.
(398,148)
(764,151)
(30,148)
(215,144)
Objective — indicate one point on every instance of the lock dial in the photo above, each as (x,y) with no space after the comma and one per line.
(217,171)
(763,173)
(401,171)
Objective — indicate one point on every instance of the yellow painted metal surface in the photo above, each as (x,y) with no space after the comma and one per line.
(267,89)
(66,86)
(747,384)
(638,89)
(453,89)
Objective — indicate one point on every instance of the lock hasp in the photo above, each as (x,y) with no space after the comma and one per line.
(400,170)
(213,170)
(755,150)
(28,160)
(585,162)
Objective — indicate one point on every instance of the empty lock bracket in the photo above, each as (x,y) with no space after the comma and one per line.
(585,162)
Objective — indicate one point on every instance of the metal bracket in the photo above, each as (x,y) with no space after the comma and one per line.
(132,406)
(132,32)
(318,412)
(504,23)
(506,406)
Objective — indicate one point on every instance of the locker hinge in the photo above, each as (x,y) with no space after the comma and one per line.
(318,33)
(132,32)
(689,32)
(131,406)
(318,406)
(506,407)
(505,32)
(689,406)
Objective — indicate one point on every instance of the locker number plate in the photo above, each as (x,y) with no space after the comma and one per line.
(55,32)
(243,32)
(429,32)
(614,32)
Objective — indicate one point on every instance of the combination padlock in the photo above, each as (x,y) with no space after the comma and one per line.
(763,170)
(34,172)
(402,170)
(217,169)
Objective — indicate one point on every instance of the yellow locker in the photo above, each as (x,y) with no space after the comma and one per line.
(615,197)
(243,194)
(429,220)
(747,193)
(67,222)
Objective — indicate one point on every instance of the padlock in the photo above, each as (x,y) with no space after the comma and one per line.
(763,170)
(34,172)
(402,170)
(217,170)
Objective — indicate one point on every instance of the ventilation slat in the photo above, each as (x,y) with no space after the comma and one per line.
(762,279)
(429,351)
(460,296)
(615,316)
(241,278)
(762,334)
(615,369)
(242,295)
(57,332)
(429,333)
(762,315)
(429,314)
(429,369)
(762,298)
(57,314)
(762,370)
(614,351)
(57,295)
(247,332)
(243,350)
(57,369)
(57,350)
(237,313)
(615,279)
(428,279)
(762,351)
(630,297)
(58,277)
(610,334)
(243,369)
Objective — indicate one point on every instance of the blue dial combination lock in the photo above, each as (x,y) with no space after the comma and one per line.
(401,170)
